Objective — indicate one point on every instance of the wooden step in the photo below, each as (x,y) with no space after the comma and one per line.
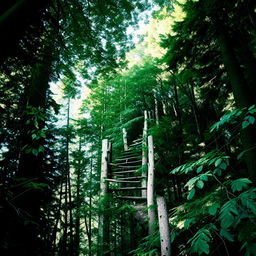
(137,140)
(131,151)
(133,178)
(126,166)
(135,198)
(136,144)
(119,164)
(122,181)
(126,158)
(127,188)
(123,172)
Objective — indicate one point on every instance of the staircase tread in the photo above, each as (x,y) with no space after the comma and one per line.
(132,162)
(136,144)
(123,172)
(128,188)
(126,166)
(135,177)
(126,158)
(132,197)
(122,181)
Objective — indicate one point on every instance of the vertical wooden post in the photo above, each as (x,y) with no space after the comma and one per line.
(103,196)
(125,139)
(156,108)
(144,154)
(150,186)
(149,115)
(163,226)
(104,168)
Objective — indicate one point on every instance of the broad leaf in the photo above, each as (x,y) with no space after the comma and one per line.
(240,184)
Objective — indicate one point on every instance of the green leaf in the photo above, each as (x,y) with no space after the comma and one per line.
(213,209)
(241,155)
(245,124)
(191,194)
(173,235)
(218,162)
(41,148)
(200,184)
(205,176)
(240,184)
(191,182)
(227,212)
(217,171)
(199,169)
(34,136)
(200,242)
(36,124)
(223,166)
(251,119)
(251,107)
(34,152)
(188,222)
(224,233)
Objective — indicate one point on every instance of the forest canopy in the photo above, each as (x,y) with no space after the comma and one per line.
(127,127)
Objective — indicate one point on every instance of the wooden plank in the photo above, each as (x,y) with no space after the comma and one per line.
(120,164)
(104,168)
(128,188)
(150,186)
(123,172)
(139,139)
(136,144)
(125,139)
(135,198)
(131,178)
(131,151)
(163,226)
(122,181)
(126,158)
(128,166)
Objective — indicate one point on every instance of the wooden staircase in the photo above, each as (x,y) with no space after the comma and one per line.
(125,180)
(130,178)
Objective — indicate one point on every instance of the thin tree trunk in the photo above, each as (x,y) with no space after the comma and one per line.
(144,155)
(90,212)
(103,225)
(163,226)
(180,130)
(78,203)
(156,109)
(71,244)
(125,139)
(150,187)
(55,229)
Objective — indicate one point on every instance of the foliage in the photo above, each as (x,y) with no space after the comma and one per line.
(232,201)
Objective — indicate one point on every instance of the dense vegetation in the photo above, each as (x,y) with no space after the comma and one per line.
(193,71)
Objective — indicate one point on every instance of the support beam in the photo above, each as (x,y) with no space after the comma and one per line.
(144,154)
(156,108)
(163,226)
(125,139)
(150,186)
(104,168)
(103,238)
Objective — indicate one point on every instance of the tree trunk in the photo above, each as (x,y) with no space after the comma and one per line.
(25,219)
(150,187)
(243,98)
(144,155)
(163,226)
(78,203)
(125,139)
(103,218)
